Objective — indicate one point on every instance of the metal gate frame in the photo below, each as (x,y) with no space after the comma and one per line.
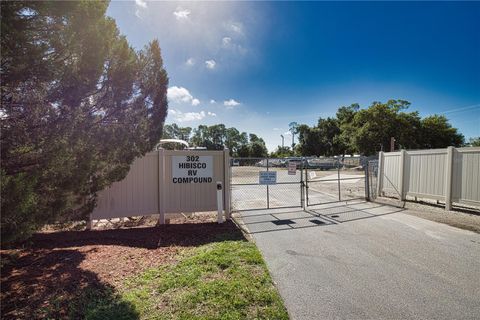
(267,167)
(338,165)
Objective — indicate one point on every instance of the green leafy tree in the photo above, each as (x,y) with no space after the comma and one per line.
(282,152)
(200,136)
(78,105)
(217,137)
(320,140)
(257,147)
(436,132)
(293,128)
(173,131)
(474,142)
(235,140)
(345,116)
(309,141)
(372,128)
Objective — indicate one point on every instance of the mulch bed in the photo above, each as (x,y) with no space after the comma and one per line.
(58,265)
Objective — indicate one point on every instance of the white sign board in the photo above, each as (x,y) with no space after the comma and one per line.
(267,177)
(292,168)
(192,169)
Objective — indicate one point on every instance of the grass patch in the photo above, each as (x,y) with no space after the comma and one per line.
(220,280)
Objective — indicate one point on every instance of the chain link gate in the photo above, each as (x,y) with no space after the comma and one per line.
(372,176)
(247,193)
(331,180)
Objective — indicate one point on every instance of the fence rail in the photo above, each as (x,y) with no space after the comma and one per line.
(451,175)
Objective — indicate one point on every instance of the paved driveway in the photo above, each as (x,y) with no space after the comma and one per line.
(368,261)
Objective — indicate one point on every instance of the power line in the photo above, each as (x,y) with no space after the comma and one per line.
(474,106)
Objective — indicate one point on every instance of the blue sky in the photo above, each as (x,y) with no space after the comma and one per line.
(258,66)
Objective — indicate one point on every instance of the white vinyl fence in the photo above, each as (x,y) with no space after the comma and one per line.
(451,175)
(168,182)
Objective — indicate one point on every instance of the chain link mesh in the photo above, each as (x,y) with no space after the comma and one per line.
(335,179)
(247,193)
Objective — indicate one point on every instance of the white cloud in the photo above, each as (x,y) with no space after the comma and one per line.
(276,129)
(141,3)
(235,27)
(226,41)
(210,64)
(190,62)
(180,116)
(181,95)
(181,14)
(231,103)
(229,44)
(213,101)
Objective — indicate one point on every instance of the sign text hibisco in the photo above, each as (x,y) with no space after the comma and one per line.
(192,169)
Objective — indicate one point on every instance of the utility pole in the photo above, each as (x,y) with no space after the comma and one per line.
(392,144)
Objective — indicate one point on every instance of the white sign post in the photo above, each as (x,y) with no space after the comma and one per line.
(267,177)
(192,169)
(219,202)
(292,168)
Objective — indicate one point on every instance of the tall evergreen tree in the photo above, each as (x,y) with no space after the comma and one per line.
(78,106)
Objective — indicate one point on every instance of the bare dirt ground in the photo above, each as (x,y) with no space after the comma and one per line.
(56,266)
(464,218)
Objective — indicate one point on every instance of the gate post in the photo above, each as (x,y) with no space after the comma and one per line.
(381,159)
(161,186)
(302,190)
(226,183)
(339,187)
(306,186)
(367,181)
(448,178)
(401,187)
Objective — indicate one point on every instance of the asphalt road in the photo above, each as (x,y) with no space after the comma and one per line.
(368,261)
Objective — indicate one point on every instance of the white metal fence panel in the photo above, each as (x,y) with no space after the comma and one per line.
(156,184)
(391,169)
(137,193)
(450,174)
(466,176)
(425,173)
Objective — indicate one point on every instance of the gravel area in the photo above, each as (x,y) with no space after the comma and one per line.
(464,217)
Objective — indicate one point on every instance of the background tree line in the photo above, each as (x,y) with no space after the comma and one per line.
(217,137)
(78,105)
(367,131)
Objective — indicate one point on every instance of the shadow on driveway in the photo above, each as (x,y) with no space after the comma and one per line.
(271,220)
